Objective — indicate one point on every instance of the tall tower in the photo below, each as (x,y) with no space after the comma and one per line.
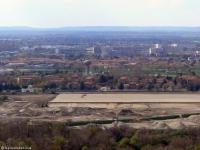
(150,51)
(87,64)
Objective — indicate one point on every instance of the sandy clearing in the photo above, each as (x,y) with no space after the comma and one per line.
(127,98)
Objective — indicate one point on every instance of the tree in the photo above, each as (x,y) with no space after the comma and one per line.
(82,85)
(102,79)
(121,86)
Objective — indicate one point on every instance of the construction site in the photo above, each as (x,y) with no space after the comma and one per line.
(137,110)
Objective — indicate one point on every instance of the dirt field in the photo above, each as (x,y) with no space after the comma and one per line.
(128,98)
(119,100)
(154,111)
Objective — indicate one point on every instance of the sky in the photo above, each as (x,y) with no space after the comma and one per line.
(60,13)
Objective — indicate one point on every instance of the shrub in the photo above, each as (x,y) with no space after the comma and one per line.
(3,98)
(134,141)
(60,140)
(124,142)
(197,147)
(182,143)
(84,148)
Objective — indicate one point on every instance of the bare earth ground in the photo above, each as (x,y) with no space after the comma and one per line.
(127,98)
(34,108)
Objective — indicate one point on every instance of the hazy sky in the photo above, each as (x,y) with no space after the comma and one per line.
(57,13)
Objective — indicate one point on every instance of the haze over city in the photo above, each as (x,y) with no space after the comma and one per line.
(59,13)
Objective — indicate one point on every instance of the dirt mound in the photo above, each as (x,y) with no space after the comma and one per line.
(177,125)
(194,118)
(160,125)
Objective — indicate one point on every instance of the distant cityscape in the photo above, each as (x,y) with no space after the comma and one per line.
(90,60)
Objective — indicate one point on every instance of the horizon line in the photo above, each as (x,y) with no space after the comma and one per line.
(101,26)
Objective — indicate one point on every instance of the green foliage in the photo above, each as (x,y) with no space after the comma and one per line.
(21,144)
(124,142)
(148,147)
(120,86)
(84,148)
(3,98)
(60,137)
(197,147)
(60,140)
(2,143)
(134,141)
(82,85)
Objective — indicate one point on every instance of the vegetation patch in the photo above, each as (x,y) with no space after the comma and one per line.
(59,136)
(3,98)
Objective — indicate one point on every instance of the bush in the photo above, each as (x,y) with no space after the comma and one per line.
(60,140)
(84,148)
(2,143)
(3,98)
(124,142)
(197,147)
(182,143)
(134,141)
